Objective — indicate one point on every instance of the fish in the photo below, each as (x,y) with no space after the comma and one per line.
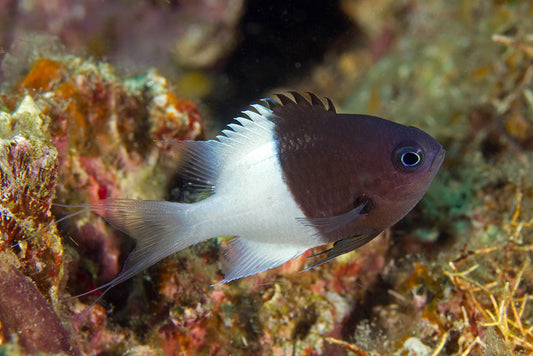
(291,174)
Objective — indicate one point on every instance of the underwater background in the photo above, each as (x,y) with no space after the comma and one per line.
(92,92)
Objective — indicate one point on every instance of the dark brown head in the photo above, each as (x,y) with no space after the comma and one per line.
(335,162)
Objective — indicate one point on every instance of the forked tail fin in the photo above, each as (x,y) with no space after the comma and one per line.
(159,228)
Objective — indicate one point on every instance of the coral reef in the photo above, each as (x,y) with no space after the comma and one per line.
(460,282)
(82,134)
(453,278)
(105,130)
(28,173)
(29,242)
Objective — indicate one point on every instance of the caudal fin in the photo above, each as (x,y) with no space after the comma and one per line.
(158,227)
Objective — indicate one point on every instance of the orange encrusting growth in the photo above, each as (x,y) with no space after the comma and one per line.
(44,74)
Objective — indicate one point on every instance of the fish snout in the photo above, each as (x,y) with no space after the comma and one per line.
(437,161)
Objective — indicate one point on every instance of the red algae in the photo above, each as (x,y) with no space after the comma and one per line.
(24,312)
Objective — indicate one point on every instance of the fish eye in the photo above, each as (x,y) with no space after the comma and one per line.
(407,158)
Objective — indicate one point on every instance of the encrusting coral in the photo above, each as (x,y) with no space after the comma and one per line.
(28,173)
(72,131)
(29,245)
(108,135)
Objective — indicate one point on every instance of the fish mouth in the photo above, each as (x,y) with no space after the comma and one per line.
(437,161)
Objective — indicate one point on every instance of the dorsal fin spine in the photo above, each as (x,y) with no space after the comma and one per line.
(299,98)
(331,107)
(300,102)
(285,100)
(262,110)
(315,100)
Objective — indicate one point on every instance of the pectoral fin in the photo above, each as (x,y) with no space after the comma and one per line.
(331,223)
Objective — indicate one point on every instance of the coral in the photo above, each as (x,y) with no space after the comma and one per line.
(24,312)
(197,34)
(459,280)
(494,283)
(497,300)
(81,133)
(453,278)
(279,311)
(105,130)
(29,241)
(28,173)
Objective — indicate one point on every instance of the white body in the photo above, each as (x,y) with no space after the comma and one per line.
(251,201)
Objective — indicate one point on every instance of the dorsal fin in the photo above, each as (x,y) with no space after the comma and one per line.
(259,118)
(253,128)
(299,102)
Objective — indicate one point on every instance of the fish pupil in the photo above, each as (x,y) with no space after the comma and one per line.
(410,159)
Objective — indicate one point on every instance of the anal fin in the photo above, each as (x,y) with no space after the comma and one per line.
(243,257)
